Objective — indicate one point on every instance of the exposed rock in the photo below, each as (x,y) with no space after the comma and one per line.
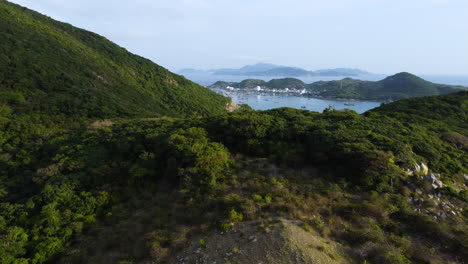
(231,106)
(101,124)
(442,215)
(424,169)
(49,171)
(433,178)
(252,239)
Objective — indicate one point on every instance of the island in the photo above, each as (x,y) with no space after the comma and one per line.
(396,87)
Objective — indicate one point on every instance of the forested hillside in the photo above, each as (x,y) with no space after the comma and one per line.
(169,176)
(52,68)
(128,189)
(399,86)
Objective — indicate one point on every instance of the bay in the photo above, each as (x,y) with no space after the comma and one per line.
(268,101)
(261,101)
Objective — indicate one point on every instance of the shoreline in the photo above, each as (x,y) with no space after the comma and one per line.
(344,99)
(304,95)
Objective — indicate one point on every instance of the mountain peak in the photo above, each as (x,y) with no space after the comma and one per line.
(406,77)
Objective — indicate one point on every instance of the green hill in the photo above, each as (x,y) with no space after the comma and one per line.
(285,83)
(451,109)
(249,83)
(253,83)
(399,86)
(53,68)
(395,87)
(151,190)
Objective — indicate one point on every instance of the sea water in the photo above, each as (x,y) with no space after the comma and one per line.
(267,101)
(270,101)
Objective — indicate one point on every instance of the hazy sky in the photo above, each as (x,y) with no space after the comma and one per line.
(382,36)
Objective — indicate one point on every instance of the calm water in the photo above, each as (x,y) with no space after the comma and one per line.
(265,102)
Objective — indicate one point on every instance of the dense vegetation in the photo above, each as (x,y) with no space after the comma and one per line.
(396,87)
(451,109)
(78,189)
(51,68)
(72,186)
(399,86)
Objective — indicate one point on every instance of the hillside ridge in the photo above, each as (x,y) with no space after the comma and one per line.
(54,68)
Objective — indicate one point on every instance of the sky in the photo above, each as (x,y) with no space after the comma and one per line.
(380,36)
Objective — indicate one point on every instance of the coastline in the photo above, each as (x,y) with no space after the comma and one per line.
(344,99)
(277,93)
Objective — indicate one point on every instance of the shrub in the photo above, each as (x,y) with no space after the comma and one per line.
(235,216)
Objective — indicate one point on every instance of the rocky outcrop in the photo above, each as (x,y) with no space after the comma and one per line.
(434,180)
(231,106)
(424,169)
(101,124)
(418,169)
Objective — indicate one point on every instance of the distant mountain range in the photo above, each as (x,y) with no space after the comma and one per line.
(395,87)
(267,69)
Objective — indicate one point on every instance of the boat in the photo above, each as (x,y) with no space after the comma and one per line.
(303,106)
(348,104)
